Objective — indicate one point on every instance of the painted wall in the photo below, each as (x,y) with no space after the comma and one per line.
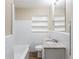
(28,13)
(8,16)
(23,32)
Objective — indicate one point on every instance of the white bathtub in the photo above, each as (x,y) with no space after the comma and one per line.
(21,52)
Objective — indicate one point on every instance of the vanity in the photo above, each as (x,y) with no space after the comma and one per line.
(53,51)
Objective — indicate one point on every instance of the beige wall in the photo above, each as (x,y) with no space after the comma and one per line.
(27,13)
(8,17)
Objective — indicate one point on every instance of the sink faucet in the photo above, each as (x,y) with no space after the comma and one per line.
(54,40)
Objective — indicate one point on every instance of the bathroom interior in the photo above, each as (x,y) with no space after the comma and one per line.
(38,29)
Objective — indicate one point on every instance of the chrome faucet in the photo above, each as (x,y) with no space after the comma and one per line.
(54,40)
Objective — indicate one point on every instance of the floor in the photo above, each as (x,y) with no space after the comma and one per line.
(33,55)
(33,58)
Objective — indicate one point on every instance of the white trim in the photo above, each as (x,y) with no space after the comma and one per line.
(13,20)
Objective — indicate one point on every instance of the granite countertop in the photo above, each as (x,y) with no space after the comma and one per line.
(53,45)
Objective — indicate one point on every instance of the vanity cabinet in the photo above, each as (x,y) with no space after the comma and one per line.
(54,53)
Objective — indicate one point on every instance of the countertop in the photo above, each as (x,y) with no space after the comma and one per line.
(53,45)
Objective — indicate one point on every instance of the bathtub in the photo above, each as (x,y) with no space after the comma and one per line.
(21,52)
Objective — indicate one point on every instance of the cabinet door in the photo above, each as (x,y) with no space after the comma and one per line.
(54,53)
